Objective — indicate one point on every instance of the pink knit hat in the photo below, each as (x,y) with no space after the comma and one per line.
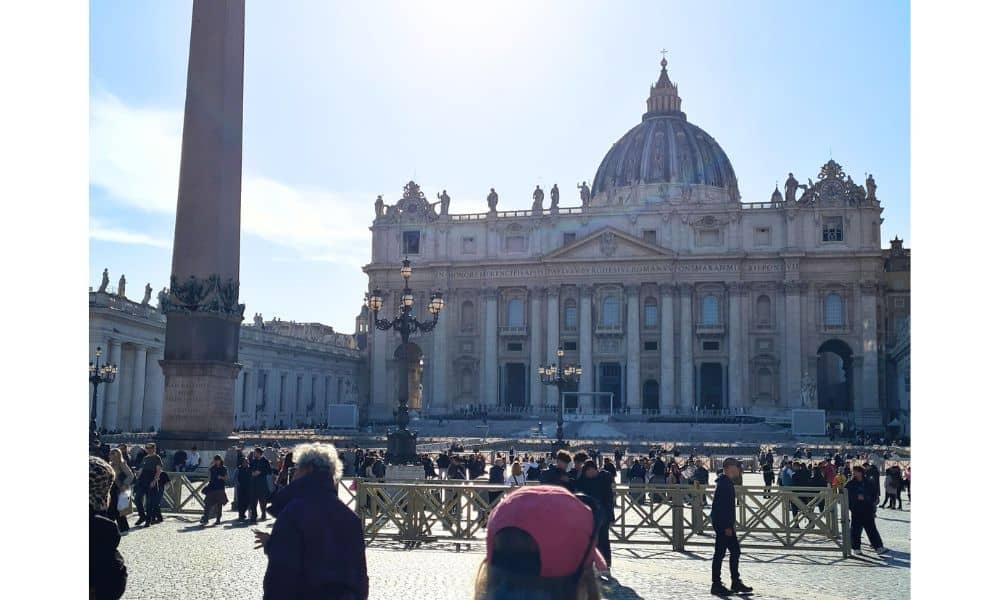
(559,523)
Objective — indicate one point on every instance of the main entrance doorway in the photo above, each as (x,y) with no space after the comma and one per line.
(834,376)
(515,384)
(710,386)
(610,380)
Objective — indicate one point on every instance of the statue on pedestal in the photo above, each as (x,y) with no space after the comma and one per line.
(121,286)
(584,194)
(554,194)
(791,185)
(444,200)
(808,391)
(147,295)
(379,207)
(538,196)
(492,199)
(104,283)
(870,187)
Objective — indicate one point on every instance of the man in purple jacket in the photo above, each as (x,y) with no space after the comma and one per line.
(316,548)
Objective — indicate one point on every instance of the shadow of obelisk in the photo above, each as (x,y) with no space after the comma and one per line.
(202,306)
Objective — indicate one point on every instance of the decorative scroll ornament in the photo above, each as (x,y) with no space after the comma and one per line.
(413,206)
(210,295)
(833,188)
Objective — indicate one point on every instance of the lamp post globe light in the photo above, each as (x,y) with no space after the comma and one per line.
(561,376)
(98,374)
(402,443)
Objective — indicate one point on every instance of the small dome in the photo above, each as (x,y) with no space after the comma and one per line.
(665,148)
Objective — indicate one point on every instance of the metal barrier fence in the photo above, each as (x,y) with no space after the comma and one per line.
(809,519)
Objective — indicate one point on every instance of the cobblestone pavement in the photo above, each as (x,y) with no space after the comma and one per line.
(180,559)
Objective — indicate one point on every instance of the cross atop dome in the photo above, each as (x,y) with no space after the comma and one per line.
(663,98)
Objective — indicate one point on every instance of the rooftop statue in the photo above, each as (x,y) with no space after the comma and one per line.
(538,196)
(584,194)
(554,194)
(492,199)
(379,207)
(870,187)
(121,286)
(444,200)
(147,295)
(791,185)
(104,283)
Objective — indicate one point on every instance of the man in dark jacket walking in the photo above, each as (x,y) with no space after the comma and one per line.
(724,524)
(558,471)
(600,486)
(862,498)
(316,548)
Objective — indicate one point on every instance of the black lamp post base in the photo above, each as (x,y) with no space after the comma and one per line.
(402,447)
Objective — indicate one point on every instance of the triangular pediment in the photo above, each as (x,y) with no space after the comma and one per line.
(608,243)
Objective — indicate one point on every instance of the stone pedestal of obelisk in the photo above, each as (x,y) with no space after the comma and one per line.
(200,361)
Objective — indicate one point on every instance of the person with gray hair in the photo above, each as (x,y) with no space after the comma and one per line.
(316,548)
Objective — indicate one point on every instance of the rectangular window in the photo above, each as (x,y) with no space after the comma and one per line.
(710,346)
(468,245)
(514,347)
(569,321)
(411,242)
(899,302)
(833,229)
(708,237)
(649,315)
(761,236)
(515,243)
(568,238)
(569,345)
(649,235)
(649,346)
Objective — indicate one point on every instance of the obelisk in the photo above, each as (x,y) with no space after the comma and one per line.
(202,306)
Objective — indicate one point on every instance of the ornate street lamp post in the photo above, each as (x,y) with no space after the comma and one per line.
(561,376)
(98,374)
(402,443)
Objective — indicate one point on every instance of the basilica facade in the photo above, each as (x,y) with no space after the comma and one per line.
(671,292)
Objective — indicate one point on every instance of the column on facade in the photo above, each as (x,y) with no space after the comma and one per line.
(152,404)
(736,395)
(113,389)
(667,399)
(552,340)
(632,368)
(535,350)
(439,400)
(138,388)
(489,393)
(586,339)
(869,347)
(687,359)
(793,343)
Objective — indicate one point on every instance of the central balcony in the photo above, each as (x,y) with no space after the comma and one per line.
(513,331)
(710,329)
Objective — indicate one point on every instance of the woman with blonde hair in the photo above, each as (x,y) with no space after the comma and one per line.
(121,485)
(516,477)
(549,558)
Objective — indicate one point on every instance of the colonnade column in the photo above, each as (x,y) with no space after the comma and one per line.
(586,339)
(111,410)
(632,367)
(440,369)
(489,394)
(736,341)
(138,388)
(552,339)
(793,343)
(535,350)
(667,399)
(687,359)
(869,350)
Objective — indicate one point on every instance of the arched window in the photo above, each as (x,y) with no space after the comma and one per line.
(649,316)
(763,310)
(515,312)
(569,315)
(710,310)
(833,310)
(609,311)
(468,316)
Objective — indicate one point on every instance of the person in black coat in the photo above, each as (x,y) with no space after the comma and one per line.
(497,473)
(244,488)
(724,523)
(862,497)
(108,575)
(215,491)
(800,478)
(260,470)
(558,471)
(600,486)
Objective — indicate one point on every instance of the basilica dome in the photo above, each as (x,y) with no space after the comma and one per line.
(665,148)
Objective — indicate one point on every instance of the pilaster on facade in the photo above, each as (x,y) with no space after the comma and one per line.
(666,346)
(586,384)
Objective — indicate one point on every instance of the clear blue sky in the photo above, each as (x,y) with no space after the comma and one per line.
(344,101)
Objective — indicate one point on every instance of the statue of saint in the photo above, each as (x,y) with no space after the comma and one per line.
(121,286)
(444,200)
(584,194)
(492,199)
(554,194)
(147,295)
(791,185)
(379,207)
(808,391)
(870,187)
(162,298)
(104,283)
(538,196)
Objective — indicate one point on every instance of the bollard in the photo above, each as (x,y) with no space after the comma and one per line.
(677,511)
(698,509)
(845,524)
